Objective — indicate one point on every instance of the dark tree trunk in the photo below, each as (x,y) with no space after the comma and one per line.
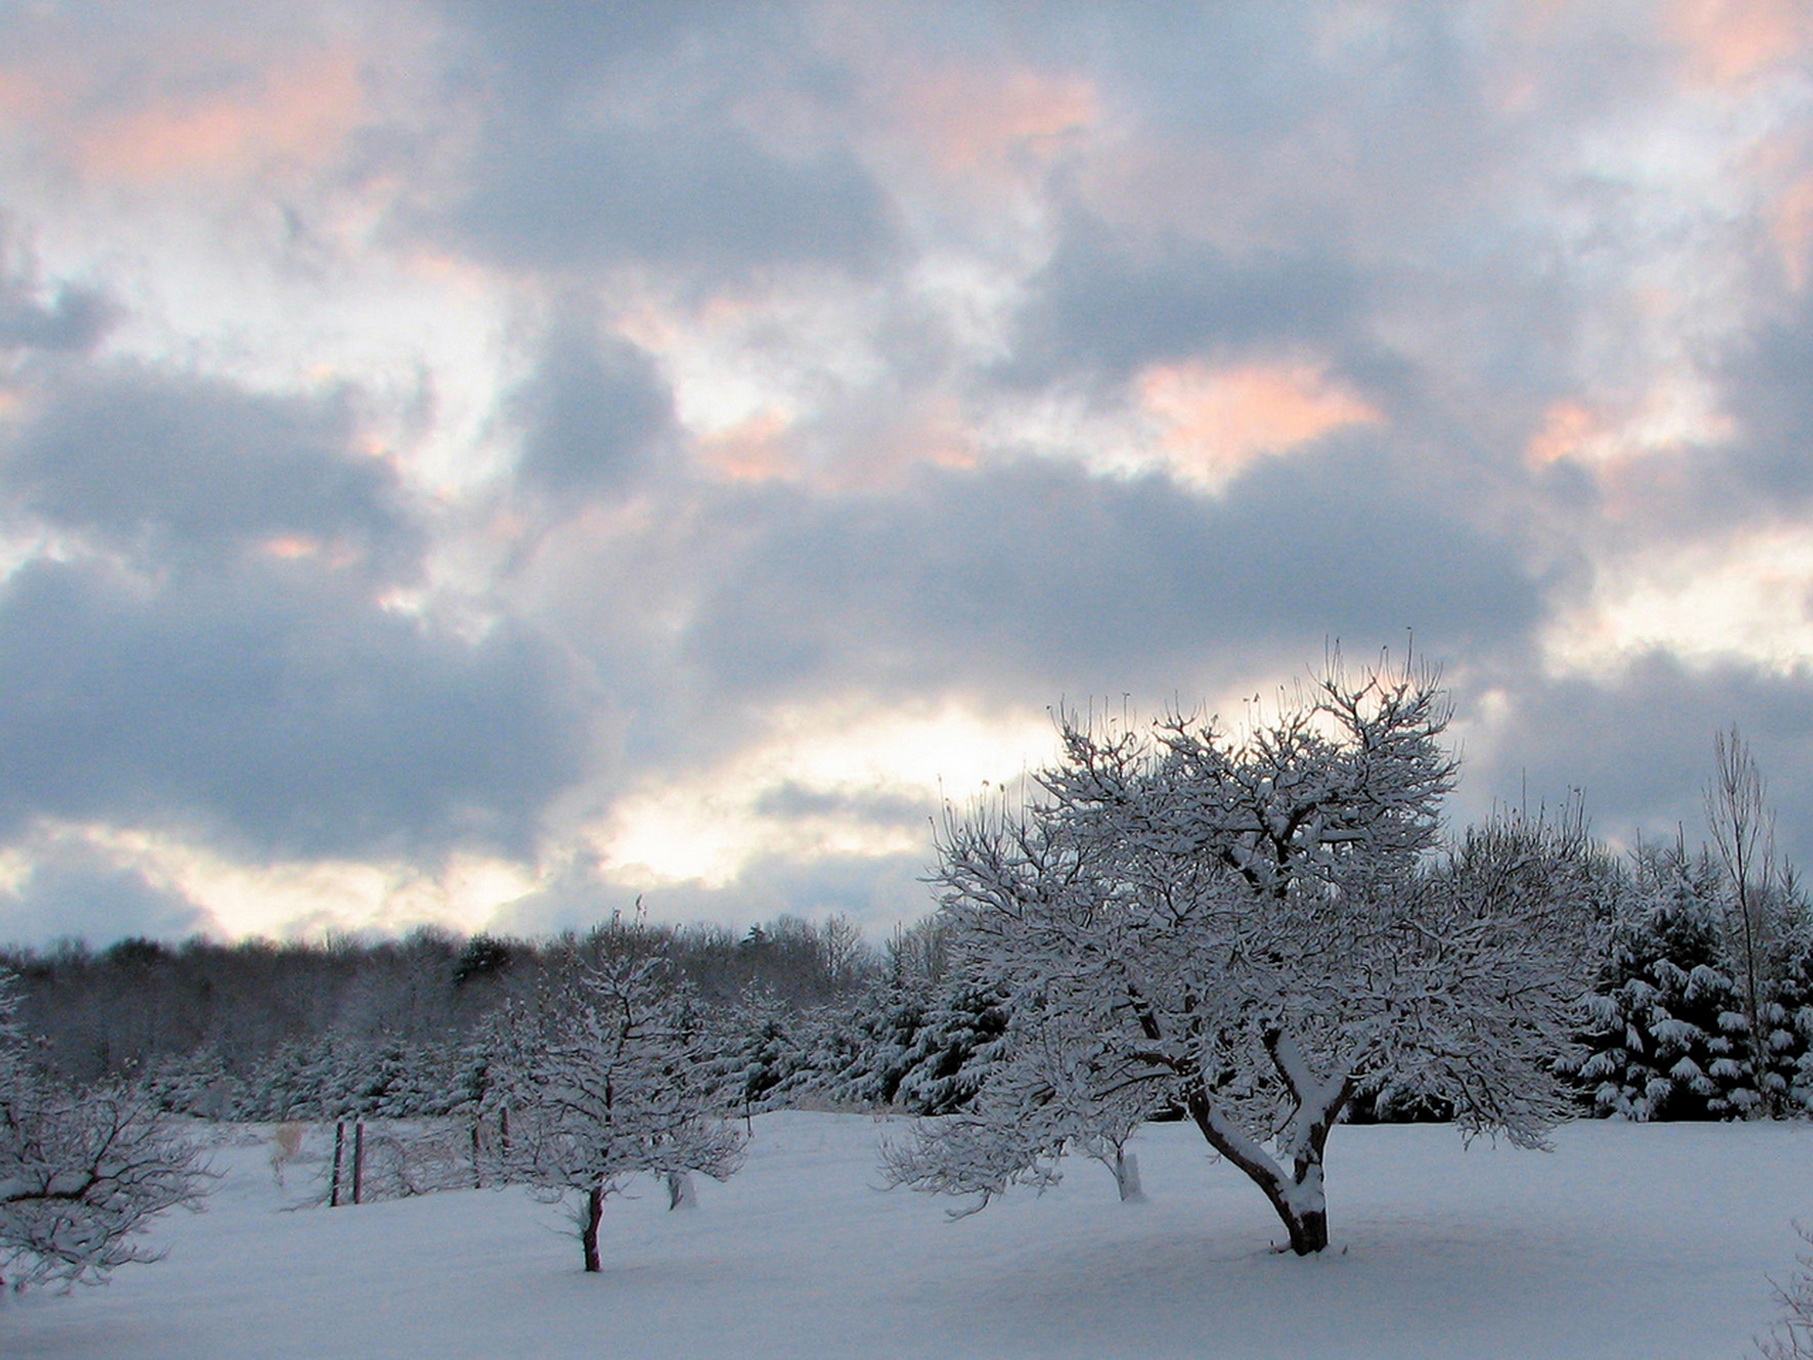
(1308,1230)
(588,1229)
(1296,1196)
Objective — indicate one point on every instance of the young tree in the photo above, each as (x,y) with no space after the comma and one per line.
(82,1173)
(1743,831)
(611,1082)
(1247,931)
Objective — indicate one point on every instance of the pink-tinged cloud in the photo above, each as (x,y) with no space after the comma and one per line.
(1569,431)
(298,116)
(213,109)
(985,123)
(1215,421)
(752,450)
(1728,42)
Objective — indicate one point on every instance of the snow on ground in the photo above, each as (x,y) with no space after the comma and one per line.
(1651,1241)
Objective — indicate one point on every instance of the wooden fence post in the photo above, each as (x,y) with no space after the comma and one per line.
(358,1161)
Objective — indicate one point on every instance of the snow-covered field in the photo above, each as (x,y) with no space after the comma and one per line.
(1651,1241)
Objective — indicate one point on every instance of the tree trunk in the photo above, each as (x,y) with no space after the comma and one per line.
(1296,1196)
(588,1228)
(1126,1177)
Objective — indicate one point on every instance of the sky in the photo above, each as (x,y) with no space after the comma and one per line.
(477,463)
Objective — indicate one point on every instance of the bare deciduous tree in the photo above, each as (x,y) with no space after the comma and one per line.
(1743,830)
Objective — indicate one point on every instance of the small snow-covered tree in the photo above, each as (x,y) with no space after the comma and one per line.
(82,1172)
(1250,931)
(611,1081)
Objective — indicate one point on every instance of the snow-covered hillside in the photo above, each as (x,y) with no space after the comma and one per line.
(1650,1241)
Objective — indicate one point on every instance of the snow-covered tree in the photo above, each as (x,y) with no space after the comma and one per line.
(82,1173)
(1666,1035)
(1249,931)
(610,1080)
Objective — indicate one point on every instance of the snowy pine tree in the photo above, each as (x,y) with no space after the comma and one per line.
(1667,1034)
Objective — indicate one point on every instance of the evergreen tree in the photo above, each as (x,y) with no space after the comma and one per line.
(1667,1033)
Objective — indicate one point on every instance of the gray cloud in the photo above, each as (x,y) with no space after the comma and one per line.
(264,701)
(1039,578)
(556,184)
(1638,745)
(75,319)
(184,465)
(540,49)
(72,891)
(275,707)
(793,799)
(594,415)
(874,891)
(706,199)
(1103,307)
(1768,381)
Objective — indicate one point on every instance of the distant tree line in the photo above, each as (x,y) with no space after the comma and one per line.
(803,1012)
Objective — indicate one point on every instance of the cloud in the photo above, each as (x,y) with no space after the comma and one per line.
(185,466)
(1107,305)
(875,891)
(594,415)
(632,135)
(276,707)
(74,320)
(1638,744)
(74,890)
(1037,578)
(954,360)
(1765,384)
(217,646)
(708,201)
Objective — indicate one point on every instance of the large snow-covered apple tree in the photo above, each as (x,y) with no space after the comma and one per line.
(1252,930)
(606,1080)
(82,1172)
